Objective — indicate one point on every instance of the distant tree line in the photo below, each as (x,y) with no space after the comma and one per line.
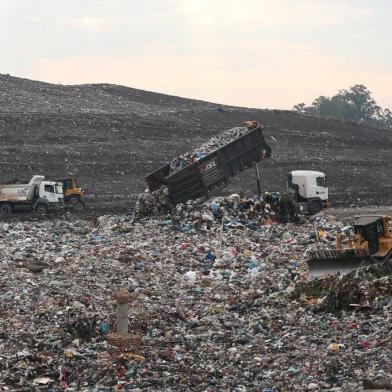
(355,104)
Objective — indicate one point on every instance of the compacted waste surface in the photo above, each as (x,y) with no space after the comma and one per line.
(219,306)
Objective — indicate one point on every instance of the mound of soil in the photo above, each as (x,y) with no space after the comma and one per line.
(111,136)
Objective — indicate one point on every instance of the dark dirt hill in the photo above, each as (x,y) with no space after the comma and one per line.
(111,136)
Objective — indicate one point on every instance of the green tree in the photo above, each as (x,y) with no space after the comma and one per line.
(300,107)
(387,118)
(355,104)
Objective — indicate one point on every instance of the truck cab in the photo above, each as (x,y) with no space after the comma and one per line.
(49,197)
(310,190)
(51,191)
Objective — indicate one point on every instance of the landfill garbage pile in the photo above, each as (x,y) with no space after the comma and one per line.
(365,288)
(216,142)
(213,306)
(239,210)
(155,203)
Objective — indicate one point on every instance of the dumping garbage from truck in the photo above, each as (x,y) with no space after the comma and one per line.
(209,168)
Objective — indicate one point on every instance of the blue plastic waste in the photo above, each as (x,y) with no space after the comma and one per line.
(103,328)
(210,256)
(167,222)
(253,264)
(215,206)
(139,266)
(251,224)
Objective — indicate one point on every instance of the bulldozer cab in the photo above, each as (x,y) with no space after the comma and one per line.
(69,183)
(371,228)
(70,187)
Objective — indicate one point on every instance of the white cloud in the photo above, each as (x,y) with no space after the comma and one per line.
(250,15)
(87,22)
(260,53)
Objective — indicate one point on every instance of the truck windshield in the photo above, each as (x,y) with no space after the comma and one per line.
(49,188)
(321,181)
(59,189)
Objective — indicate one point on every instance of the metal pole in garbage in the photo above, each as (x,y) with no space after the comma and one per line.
(121,338)
(258,178)
(122,299)
(221,234)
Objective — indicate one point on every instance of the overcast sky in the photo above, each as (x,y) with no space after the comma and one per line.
(259,53)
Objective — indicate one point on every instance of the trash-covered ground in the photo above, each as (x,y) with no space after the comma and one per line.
(362,288)
(236,208)
(218,307)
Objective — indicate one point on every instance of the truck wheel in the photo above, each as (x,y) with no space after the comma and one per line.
(315,207)
(41,209)
(6,209)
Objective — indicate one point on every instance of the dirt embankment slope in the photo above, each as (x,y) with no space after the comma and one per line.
(111,136)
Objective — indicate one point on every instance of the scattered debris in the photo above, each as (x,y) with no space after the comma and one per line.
(35,266)
(216,306)
(366,288)
(234,209)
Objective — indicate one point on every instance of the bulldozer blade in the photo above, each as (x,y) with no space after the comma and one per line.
(331,262)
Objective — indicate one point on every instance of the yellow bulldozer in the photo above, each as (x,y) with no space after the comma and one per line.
(73,195)
(369,241)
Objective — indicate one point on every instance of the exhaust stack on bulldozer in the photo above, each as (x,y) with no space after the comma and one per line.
(370,243)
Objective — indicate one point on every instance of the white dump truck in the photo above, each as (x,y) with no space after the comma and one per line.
(38,195)
(311,190)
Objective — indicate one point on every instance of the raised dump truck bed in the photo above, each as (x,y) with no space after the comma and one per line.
(214,170)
